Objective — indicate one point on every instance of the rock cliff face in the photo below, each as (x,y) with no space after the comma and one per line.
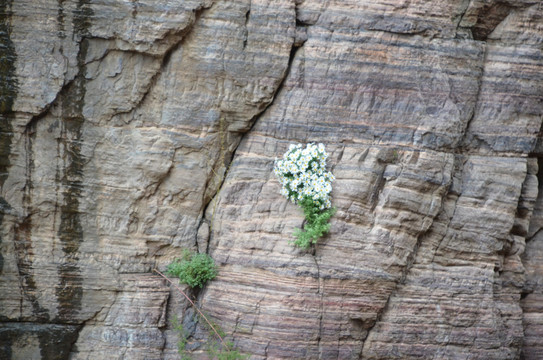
(131,130)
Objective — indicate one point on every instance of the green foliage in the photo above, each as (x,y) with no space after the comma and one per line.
(182,343)
(215,349)
(219,351)
(224,353)
(316,224)
(193,269)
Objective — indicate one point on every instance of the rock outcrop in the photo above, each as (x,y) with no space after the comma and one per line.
(131,130)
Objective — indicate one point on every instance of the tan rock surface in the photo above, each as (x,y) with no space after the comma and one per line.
(532,293)
(130,130)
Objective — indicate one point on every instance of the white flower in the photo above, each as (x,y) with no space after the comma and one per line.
(302,174)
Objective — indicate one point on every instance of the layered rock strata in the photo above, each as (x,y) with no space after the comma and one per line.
(131,130)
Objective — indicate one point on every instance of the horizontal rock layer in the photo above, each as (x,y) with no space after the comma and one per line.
(131,130)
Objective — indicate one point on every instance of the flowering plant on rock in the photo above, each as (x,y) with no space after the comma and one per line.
(306,182)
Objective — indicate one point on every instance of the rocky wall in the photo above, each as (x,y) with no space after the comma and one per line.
(131,130)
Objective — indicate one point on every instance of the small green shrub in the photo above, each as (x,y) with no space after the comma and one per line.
(193,269)
(316,224)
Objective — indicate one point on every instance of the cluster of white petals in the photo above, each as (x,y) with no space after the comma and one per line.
(302,173)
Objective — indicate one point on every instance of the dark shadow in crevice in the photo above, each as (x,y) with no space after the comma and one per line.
(490,16)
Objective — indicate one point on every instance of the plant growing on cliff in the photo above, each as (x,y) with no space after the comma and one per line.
(218,348)
(305,181)
(193,269)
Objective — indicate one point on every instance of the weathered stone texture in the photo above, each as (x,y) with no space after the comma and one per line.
(532,293)
(454,292)
(422,261)
(130,130)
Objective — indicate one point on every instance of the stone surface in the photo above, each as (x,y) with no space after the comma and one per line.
(532,293)
(23,340)
(130,130)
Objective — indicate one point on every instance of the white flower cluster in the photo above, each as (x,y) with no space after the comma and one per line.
(302,172)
